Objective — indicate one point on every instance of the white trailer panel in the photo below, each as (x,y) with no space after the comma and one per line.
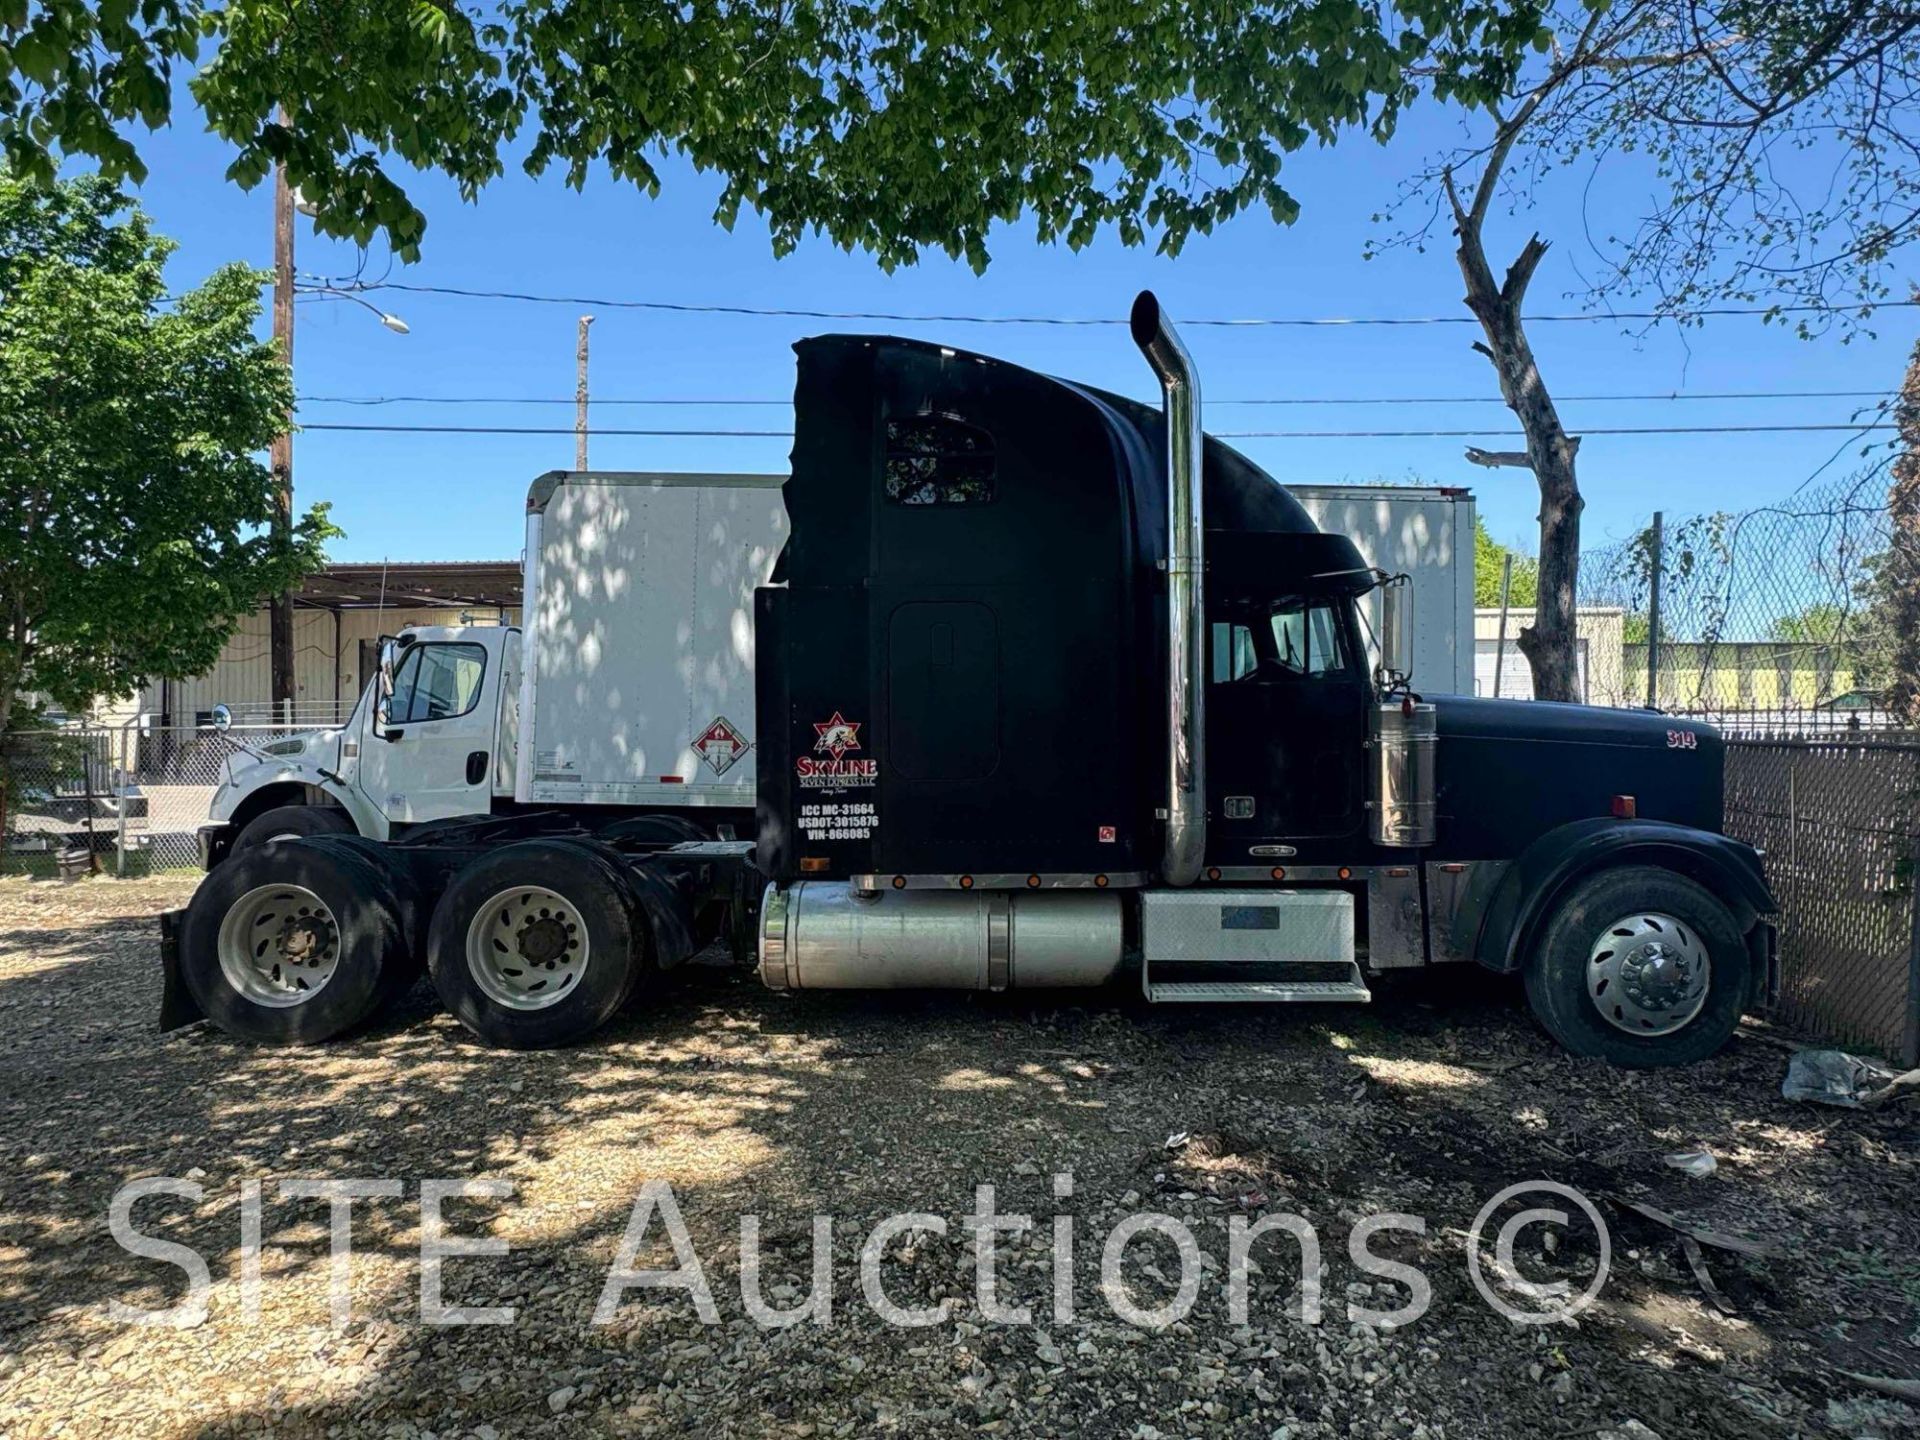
(638,618)
(1425,531)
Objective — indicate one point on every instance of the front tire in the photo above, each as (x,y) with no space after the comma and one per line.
(536,944)
(292,943)
(291,822)
(1641,967)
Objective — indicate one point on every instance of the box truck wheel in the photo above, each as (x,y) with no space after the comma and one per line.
(411,905)
(1641,967)
(292,943)
(536,944)
(291,822)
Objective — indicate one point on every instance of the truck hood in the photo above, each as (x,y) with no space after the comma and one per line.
(1539,720)
(1510,770)
(298,757)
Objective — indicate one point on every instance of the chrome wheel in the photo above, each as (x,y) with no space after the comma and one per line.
(527,947)
(1648,974)
(279,945)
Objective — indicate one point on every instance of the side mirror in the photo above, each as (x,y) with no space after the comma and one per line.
(389,654)
(1395,670)
(222,718)
(383,682)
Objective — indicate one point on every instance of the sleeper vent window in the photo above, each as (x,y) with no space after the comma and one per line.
(937,460)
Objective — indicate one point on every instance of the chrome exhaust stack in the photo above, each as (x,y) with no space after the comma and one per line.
(1186,806)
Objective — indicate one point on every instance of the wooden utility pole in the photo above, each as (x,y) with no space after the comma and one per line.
(580,397)
(281,612)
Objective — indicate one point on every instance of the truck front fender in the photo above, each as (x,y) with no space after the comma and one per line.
(1518,908)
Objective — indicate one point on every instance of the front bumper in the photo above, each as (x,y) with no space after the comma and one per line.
(213,842)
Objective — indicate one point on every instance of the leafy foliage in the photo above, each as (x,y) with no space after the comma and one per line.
(1489,560)
(888,125)
(133,507)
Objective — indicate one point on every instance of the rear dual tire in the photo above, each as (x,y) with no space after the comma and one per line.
(539,943)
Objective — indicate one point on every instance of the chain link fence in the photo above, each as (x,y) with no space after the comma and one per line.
(1839,821)
(121,800)
(1772,621)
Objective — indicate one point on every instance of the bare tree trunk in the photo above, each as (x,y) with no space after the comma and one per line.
(1902,578)
(1548,643)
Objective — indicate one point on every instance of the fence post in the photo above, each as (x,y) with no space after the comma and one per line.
(1500,645)
(86,795)
(1653,611)
(123,765)
(1910,1040)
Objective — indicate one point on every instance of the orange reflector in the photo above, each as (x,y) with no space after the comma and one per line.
(1213,872)
(966,882)
(1455,869)
(1399,872)
(813,864)
(899,882)
(1279,872)
(1344,873)
(1099,882)
(1624,807)
(1033,882)
(672,779)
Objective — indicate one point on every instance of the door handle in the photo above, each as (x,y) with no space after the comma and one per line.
(392,735)
(476,766)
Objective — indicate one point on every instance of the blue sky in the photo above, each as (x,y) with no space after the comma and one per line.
(418,497)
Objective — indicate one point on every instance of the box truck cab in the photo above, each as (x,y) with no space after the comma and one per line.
(432,737)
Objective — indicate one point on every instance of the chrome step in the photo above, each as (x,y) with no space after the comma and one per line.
(1193,992)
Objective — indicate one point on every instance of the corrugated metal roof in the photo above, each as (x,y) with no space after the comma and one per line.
(413,582)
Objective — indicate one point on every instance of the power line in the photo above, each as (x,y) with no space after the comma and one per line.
(1217,434)
(696,403)
(777,312)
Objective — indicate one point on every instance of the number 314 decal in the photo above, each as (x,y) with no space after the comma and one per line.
(1682,740)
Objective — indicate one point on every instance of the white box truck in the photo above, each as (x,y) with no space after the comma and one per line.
(629,685)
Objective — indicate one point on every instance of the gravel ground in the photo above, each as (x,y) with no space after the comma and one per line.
(1428,1103)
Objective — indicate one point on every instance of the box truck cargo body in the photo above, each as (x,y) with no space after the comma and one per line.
(637,662)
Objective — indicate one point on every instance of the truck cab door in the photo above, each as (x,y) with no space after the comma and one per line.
(431,756)
(1286,722)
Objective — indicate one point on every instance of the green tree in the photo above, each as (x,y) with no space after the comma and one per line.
(1489,561)
(883,124)
(133,505)
(1824,624)
(1776,140)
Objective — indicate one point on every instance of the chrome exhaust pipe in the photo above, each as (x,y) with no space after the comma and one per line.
(1186,592)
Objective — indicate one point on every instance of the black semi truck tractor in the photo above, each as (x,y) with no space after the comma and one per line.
(1052,690)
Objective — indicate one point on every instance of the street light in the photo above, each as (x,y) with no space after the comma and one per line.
(392,322)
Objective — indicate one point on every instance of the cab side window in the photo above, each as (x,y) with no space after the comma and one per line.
(436,682)
(1307,640)
(1234,656)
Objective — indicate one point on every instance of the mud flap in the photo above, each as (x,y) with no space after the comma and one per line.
(177,1005)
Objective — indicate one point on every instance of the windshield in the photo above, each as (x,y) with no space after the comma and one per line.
(1294,638)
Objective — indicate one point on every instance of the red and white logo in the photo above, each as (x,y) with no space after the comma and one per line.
(1109,834)
(837,736)
(720,745)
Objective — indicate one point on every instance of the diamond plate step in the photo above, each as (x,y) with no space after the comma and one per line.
(1270,991)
